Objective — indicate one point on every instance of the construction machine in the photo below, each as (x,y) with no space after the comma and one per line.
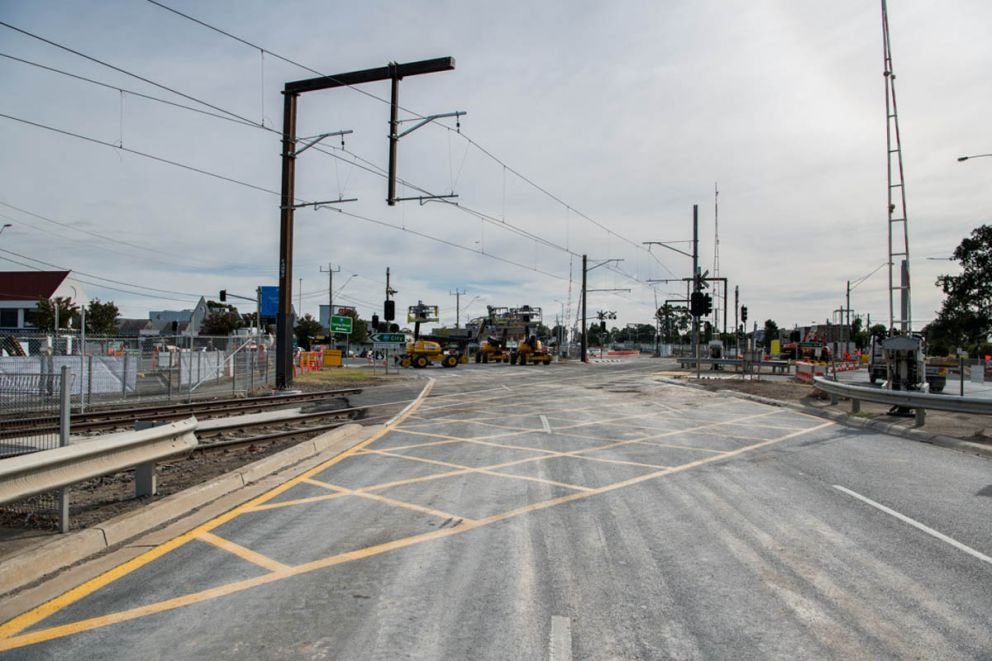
(421,353)
(508,337)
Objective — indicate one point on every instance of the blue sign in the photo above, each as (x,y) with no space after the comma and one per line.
(270,301)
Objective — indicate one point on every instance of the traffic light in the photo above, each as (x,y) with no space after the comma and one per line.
(223,295)
(602,327)
(375,322)
(697,304)
(389,310)
(707,305)
(744,313)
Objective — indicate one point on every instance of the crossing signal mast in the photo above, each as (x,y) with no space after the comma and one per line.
(898,223)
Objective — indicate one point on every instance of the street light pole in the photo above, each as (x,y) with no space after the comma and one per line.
(965,158)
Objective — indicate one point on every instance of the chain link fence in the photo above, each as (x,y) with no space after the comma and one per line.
(113,370)
(30,412)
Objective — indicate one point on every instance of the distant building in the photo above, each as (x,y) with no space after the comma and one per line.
(178,322)
(20,292)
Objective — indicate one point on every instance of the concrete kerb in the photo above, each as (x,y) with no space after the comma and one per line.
(37,562)
(918,435)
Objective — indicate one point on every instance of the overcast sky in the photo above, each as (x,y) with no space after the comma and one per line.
(627,112)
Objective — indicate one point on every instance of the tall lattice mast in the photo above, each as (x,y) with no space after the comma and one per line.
(897,198)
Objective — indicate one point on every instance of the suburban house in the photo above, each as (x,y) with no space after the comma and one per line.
(20,292)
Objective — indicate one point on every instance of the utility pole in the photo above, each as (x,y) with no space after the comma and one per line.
(737,334)
(458,305)
(582,339)
(585,290)
(330,297)
(291,92)
(695,281)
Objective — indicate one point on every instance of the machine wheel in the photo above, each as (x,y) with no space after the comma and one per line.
(421,362)
(513,358)
(485,357)
(547,360)
(449,361)
(478,357)
(405,362)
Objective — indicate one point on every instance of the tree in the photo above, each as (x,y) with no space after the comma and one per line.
(359,328)
(965,318)
(101,318)
(674,321)
(221,322)
(306,330)
(858,333)
(771,333)
(45,313)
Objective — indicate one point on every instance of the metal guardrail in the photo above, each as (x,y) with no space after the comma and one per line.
(30,474)
(919,401)
(736,363)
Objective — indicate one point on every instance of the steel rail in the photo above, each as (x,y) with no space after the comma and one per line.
(202,410)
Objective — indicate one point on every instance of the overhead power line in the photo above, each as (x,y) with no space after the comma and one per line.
(141,153)
(459,132)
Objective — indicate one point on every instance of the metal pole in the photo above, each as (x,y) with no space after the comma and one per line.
(64,421)
(737,335)
(284,330)
(82,357)
(695,282)
(393,130)
(582,338)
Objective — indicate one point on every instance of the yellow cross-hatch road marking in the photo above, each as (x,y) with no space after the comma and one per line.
(11,635)
(242,552)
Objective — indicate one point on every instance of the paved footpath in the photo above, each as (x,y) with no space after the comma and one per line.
(568,511)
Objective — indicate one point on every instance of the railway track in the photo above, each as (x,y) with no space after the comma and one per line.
(204,410)
(303,425)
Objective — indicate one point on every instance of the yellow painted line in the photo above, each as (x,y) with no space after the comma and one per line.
(689,447)
(326,485)
(213,593)
(410,506)
(477,441)
(35,615)
(475,438)
(490,470)
(413,480)
(242,552)
(298,501)
(421,445)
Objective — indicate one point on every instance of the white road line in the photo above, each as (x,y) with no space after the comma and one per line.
(560,644)
(545,424)
(916,524)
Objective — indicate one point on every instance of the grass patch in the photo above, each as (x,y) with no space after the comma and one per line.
(345,376)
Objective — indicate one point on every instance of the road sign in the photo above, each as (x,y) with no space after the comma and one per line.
(388,338)
(270,301)
(341,325)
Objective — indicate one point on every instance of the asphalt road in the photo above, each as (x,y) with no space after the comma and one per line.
(588,512)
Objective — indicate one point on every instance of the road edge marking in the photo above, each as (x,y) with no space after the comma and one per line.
(916,524)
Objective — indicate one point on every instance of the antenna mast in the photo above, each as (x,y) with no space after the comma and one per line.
(896,194)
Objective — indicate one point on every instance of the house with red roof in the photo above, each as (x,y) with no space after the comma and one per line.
(20,292)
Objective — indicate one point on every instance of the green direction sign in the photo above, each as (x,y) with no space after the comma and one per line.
(388,338)
(341,324)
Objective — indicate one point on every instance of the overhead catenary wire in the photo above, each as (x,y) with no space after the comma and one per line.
(237,118)
(458,130)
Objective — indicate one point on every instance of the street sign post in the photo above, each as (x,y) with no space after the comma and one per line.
(341,324)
